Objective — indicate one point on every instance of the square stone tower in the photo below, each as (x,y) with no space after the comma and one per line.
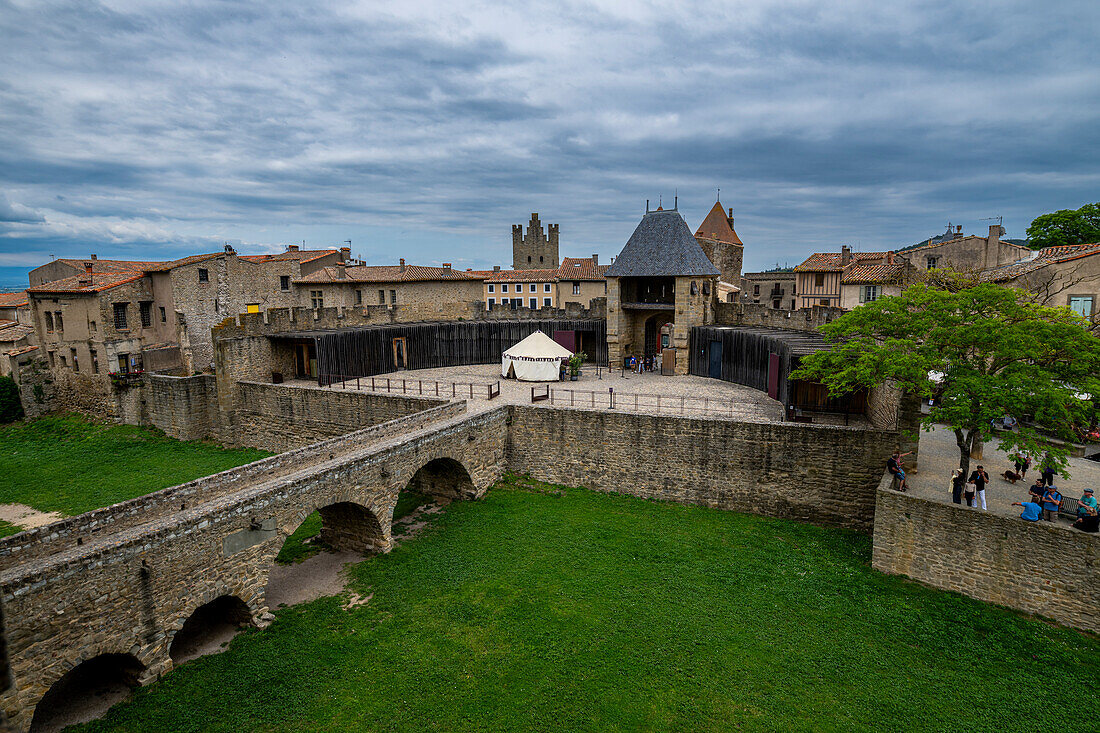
(537,250)
(659,287)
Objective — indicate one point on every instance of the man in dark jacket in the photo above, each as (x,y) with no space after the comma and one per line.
(979,478)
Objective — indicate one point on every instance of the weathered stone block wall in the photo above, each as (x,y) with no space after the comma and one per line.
(815,473)
(753,314)
(185,408)
(278,417)
(889,408)
(1037,567)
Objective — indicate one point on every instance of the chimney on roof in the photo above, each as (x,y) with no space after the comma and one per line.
(292,248)
(402,265)
(730,218)
(345,253)
(889,258)
(341,271)
(93,255)
(496,268)
(86,276)
(447,266)
(845,255)
(595,259)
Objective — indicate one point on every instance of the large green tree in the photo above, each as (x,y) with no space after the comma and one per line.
(1067,226)
(984,352)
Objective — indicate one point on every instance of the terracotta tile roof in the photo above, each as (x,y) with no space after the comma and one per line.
(940,241)
(304,255)
(523,276)
(857,273)
(14,331)
(717,226)
(581,268)
(830,261)
(20,351)
(172,264)
(14,300)
(387,274)
(1047,256)
(115,266)
(100,281)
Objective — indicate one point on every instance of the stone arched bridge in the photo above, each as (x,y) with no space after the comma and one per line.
(109,591)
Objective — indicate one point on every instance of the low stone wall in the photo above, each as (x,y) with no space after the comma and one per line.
(756,314)
(815,473)
(279,417)
(888,408)
(1039,567)
(42,541)
(183,407)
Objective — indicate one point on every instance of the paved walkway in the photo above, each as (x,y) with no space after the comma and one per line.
(939,456)
(702,396)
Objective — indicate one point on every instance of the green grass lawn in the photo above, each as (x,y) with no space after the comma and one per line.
(566,610)
(70,465)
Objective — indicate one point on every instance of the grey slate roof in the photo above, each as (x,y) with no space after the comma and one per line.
(662,246)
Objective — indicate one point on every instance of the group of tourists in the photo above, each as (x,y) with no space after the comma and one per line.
(643,364)
(1044,499)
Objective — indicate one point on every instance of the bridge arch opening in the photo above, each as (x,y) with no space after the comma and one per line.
(443,478)
(86,692)
(210,628)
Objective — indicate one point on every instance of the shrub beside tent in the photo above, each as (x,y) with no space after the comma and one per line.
(536,358)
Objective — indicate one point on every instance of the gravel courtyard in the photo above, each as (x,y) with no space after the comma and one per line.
(701,395)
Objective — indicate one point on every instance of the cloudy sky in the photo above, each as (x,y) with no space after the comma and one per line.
(424,129)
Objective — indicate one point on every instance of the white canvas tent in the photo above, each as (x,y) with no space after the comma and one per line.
(536,358)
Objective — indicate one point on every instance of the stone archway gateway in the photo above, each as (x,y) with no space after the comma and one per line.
(87,691)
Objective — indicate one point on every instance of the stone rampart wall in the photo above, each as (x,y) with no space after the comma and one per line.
(42,541)
(185,408)
(279,417)
(1039,567)
(756,314)
(814,473)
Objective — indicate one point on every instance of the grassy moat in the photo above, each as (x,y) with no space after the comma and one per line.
(70,465)
(543,608)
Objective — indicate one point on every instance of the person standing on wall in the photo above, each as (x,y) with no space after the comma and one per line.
(958,482)
(1052,500)
(1048,471)
(979,478)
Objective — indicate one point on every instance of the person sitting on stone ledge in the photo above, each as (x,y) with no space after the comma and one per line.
(894,466)
(1087,500)
(1089,521)
(1031,510)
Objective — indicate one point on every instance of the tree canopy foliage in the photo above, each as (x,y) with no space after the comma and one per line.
(982,352)
(1067,226)
(11,408)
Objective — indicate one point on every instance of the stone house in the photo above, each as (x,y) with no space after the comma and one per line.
(818,279)
(1057,276)
(864,283)
(660,286)
(773,288)
(63,268)
(158,316)
(577,280)
(964,253)
(341,286)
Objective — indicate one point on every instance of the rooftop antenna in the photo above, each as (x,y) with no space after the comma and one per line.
(992,218)
(647,206)
(676,199)
(719,198)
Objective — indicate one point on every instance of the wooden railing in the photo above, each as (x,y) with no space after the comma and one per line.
(414,387)
(642,402)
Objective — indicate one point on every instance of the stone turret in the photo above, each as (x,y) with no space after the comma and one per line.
(536,250)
